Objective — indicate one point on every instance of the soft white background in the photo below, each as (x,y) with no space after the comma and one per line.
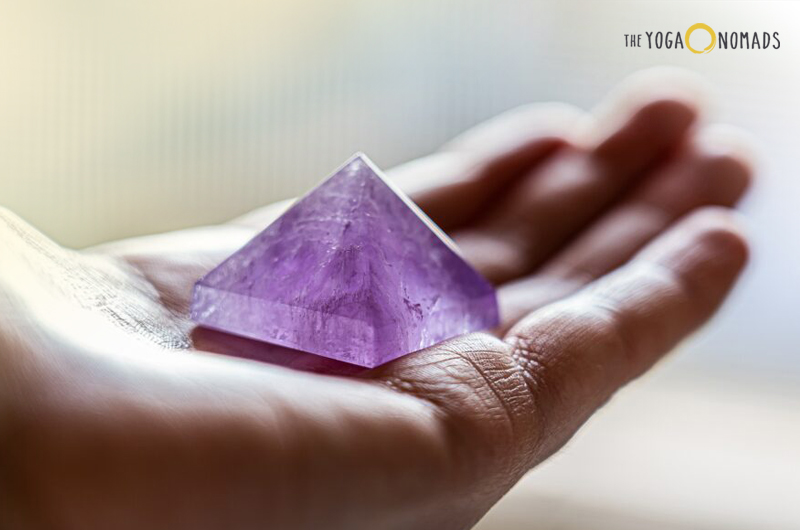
(122,118)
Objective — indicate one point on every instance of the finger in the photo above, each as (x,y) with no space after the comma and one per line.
(517,126)
(450,187)
(454,188)
(507,404)
(714,169)
(576,353)
(557,199)
(455,184)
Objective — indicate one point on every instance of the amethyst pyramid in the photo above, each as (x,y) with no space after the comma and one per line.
(353,271)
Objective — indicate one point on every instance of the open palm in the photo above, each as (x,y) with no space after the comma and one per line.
(607,249)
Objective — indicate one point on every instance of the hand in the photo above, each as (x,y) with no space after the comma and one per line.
(607,249)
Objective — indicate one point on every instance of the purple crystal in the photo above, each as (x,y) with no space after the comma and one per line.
(353,271)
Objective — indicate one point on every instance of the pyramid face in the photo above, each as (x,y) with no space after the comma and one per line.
(352,271)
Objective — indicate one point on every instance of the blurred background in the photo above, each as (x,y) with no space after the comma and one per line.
(124,118)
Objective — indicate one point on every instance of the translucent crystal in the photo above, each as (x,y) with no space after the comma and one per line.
(353,271)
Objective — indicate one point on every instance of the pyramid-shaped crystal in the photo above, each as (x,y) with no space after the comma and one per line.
(353,271)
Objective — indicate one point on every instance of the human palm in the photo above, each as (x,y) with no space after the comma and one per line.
(606,249)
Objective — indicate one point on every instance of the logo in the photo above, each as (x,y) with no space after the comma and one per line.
(710,31)
(721,40)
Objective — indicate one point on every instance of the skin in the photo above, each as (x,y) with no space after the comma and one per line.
(610,239)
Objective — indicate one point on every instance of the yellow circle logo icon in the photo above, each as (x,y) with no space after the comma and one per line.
(710,31)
